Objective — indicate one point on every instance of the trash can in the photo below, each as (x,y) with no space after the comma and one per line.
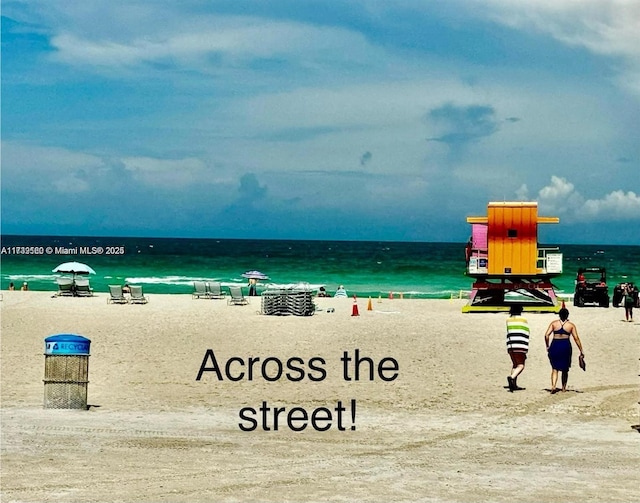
(66,371)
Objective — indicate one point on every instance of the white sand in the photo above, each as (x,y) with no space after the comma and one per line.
(445,430)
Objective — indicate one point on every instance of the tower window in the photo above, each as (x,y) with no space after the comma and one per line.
(512,233)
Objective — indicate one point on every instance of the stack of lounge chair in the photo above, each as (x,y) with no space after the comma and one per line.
(274,302)
(288,301)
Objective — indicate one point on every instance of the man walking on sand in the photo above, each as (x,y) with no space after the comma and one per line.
(517,344)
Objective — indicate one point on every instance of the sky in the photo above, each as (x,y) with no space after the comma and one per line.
(337,120)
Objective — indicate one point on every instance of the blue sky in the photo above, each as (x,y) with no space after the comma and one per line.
(319,120)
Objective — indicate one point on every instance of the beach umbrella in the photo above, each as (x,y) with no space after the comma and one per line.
(74,268)
(255,275)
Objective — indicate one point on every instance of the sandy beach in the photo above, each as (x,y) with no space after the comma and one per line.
(444,429)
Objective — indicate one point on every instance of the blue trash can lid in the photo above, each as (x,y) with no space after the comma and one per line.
(66,344)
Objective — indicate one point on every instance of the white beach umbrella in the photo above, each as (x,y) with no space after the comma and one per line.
(74,268)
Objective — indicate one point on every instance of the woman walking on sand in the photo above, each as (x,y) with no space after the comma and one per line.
(559,348)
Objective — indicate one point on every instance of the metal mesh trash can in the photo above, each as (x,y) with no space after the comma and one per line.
(66,371)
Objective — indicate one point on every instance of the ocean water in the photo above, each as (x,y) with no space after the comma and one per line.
(365,268)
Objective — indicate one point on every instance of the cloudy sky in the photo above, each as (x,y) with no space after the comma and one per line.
(319,119)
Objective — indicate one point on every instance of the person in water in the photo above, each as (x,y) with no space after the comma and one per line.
(558,340)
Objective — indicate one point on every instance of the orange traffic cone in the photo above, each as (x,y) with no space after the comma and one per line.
(369,306)
(355,307)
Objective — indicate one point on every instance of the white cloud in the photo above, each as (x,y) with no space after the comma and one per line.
(559,189)
(562,199)
(298,103)
(230,38)
(380,103)
(617,205)
(78,51)
(166,173)
(605,27)
(48,169)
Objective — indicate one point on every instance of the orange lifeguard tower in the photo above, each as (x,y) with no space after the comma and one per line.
(504,258)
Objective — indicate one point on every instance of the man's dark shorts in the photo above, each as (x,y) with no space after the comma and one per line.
(517,358)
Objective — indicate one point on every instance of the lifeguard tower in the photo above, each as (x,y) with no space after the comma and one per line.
(504,258)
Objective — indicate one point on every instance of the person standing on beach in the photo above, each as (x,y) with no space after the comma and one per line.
(517,344)
(559,348)
(629,301)
(252,287)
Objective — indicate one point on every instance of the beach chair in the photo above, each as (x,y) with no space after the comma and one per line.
(214,290)
(236,297)
(137,297)
(83,288)
(199,290)
(116,296)
(65,287)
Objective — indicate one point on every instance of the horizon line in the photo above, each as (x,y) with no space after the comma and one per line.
(2,235)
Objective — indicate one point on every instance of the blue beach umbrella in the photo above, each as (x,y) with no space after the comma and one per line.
(254,275)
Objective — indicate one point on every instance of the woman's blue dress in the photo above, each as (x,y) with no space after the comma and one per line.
(560,354)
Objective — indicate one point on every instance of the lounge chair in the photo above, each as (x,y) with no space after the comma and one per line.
(116,295)
(82,288)
(236,297)
(137,297)
(200,290)
(65,287)
(214,290)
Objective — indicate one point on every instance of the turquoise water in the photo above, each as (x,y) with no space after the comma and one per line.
(365,268)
